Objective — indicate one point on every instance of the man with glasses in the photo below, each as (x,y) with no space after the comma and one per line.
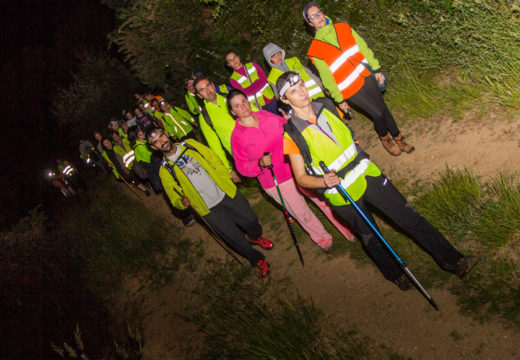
(193,176)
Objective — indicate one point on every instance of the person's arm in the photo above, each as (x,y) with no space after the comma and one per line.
(170,187)
(298,167)
(365,50)
(244,165)
(214,142)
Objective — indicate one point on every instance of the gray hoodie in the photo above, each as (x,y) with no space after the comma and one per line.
(271,49)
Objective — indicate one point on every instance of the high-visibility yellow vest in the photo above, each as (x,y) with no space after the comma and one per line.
(265,93)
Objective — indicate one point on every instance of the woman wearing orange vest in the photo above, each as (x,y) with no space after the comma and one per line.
(343,58)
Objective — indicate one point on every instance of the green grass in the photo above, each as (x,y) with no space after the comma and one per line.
(266,323)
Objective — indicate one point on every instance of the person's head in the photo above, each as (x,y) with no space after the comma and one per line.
(163,105)
(107,144)
(238,105)
(138,112)
(314,16)
(155,104)
(188,84)
(128,115)
(233,60)
(140,135)
(97,136)
(292,90)
(115,137)
(273,54)
(205,88)
(159,140)
(81,141)
(142,107)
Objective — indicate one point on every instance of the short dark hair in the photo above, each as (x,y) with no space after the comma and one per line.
(282,80)
(232,93)
(198,79)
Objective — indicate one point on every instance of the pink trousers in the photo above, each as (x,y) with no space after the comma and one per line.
(300,211)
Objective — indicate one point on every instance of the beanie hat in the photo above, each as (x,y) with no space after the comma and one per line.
(306,8)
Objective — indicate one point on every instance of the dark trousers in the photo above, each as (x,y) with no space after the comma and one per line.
(381,194)
(369,101)
(228,218)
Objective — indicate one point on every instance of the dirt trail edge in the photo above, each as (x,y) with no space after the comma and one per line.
(356,296)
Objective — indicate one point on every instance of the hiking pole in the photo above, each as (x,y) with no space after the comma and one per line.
(216,237)
(385,243)
(127,184)
(288,217)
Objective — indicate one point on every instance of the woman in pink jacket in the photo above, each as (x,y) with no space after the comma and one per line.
(261,132)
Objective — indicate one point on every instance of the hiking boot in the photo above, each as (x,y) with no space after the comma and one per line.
(403,145)
(403,283)
(390,145)
(263,242)
(465,265)
(263,267)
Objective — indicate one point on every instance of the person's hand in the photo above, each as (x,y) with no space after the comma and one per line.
(186,201)
(380,78)
(110,165)
(344,107)
(286,115)
(234,177)
(331,179)
(266,160)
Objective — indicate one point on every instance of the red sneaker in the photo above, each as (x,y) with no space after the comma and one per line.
(263,242)
(263,266)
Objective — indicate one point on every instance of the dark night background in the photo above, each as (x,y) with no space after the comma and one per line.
(43,43)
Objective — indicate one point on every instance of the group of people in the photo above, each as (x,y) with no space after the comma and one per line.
(289,122)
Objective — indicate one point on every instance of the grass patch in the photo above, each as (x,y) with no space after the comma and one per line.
(266,323)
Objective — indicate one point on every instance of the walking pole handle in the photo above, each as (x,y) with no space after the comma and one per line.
(269,166)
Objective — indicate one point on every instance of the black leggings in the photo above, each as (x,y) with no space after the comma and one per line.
(369,101)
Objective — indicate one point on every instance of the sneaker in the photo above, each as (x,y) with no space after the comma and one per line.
(403,283)
(263,242)
(263,267)
(189,221)
(328,249)
(465,265)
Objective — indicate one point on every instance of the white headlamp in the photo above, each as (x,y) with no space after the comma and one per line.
(293,80)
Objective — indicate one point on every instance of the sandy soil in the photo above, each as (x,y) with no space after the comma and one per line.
(356,296)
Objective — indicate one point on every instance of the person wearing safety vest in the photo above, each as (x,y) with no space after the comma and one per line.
(125,173)
(101,150)
(345,62)
(275,57)
(176,121)
(190,97)
(313,134)
(216,123)
(70,172)
(126,152)
(251,79)
(149,162)
(193,176)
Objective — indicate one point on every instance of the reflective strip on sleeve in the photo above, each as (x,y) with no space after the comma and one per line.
(314,91)
(128,158)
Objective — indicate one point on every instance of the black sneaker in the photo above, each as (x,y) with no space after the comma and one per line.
(403,283)
(465,265)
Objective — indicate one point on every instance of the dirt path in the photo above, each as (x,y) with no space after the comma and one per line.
(356,296)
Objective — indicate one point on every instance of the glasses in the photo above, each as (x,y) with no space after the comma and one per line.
(293,80)
(313,16)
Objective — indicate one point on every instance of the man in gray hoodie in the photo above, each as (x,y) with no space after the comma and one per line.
(275,57)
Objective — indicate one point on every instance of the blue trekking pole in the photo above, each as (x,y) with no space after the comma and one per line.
(385,243)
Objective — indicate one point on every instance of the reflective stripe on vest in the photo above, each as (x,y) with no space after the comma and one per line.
(68,170)
(345,63)
(128,158)
(176,123)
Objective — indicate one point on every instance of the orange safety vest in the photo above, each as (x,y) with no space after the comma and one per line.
(347,64)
